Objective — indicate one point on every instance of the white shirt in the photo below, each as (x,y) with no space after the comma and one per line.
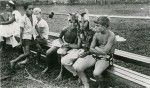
(29,28)
(17,15)
(45,31)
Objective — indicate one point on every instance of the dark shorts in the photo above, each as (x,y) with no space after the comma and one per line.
(26,42)
(41,41)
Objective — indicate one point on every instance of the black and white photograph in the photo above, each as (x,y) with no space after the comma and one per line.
(74,43)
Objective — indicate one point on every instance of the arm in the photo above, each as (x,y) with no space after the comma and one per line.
(21,34)
(93,45)
(10,21)
(21,30)
(61,35)
(104,50)
(37,29)
(110,43)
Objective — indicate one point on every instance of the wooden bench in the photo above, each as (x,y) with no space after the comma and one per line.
(123,74)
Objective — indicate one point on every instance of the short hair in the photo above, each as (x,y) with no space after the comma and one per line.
(103,20)
(25,5)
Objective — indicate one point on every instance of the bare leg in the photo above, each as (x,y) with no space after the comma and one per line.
(80,65)
(26,59)
(39,50)
(59,77)
(21,57)
(100,67)
(71,69)
(49,52)
(1,46)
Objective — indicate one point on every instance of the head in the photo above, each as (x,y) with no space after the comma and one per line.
(83,19)
(28,8)
(102,24)
(10,6)
(38,13)
(73,20)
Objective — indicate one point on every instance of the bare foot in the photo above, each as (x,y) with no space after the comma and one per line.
(12,64)
(59,77)
(23,62)
(45,70)
(80,82)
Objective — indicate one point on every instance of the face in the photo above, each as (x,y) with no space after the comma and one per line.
(100,28)
(82,23)
(8,7)
(38,15)
(29,10)
(73,22)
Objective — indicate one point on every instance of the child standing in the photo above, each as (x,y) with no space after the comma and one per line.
(27,33)
(10,23)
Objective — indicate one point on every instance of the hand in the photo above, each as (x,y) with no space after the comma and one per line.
(20,43)
(82,55)
(65,44)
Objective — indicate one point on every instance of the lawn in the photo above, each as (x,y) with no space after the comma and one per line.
(136,31)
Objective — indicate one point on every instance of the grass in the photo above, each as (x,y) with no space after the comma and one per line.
(136,31)
(18,80)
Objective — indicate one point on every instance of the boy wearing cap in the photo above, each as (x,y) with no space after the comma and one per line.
(27,34)
(102,45)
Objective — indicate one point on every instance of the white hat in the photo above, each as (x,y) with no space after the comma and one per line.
(11,2)
(37,10)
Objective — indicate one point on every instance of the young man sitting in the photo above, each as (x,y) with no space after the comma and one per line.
(101,47)
(68,39)
(42,29)
(86,36)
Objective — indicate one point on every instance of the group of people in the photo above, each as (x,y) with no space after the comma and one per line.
(79,46)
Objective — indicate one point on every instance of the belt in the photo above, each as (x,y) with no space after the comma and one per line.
(100,57)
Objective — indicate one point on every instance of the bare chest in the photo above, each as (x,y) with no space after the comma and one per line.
(102,39)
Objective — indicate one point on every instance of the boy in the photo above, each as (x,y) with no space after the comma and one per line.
(42,29)
(101,47)
(27,34)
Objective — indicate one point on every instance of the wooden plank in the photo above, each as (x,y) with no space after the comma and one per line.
(130,75)
(132,58)
(126,74)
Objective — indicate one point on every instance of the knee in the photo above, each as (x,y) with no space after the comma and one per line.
(26,54)
(63,61)
(47,53)
(78,68)
(97,74)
